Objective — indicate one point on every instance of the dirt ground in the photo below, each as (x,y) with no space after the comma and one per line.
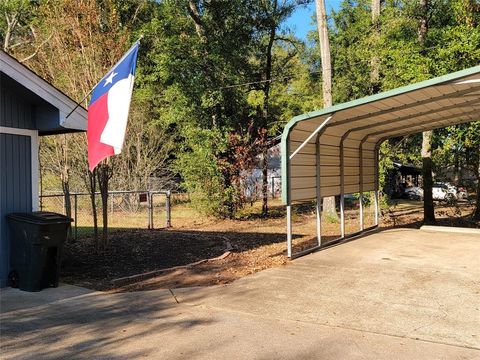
(248,245)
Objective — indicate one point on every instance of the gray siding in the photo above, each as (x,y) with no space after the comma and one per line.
(15,188)
(15,109)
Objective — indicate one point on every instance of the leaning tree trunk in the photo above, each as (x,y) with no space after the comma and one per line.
(329,207)
(428,208)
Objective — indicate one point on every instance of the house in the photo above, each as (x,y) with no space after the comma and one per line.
(458,176)
(29,107)
(253,180)
(401,176)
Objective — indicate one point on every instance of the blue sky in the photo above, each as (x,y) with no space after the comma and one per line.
(301,20)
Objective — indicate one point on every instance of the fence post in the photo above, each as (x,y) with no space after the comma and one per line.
(150,209)
(169,209)
(75,207)
(110,196)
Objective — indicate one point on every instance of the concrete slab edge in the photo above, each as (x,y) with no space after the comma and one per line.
(458,230)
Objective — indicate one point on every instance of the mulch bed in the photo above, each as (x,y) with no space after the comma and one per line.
(255,245)
(133,252)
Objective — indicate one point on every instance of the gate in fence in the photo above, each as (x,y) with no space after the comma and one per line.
(126,209)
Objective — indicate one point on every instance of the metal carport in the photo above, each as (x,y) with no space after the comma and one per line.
(334,151)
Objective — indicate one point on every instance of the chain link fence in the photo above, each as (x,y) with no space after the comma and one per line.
(126,209)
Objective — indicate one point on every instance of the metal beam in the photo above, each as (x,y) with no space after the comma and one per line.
(342,184)
(318,192)
(360,171)
(420,128)
(377,183)
(405,106)
(289,231)
(410,117)
(322,125)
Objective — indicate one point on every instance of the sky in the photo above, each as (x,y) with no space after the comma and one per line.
(301,20)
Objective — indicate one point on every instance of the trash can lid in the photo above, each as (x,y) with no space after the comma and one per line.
(40,217)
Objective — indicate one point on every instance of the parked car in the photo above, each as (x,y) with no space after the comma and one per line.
(441,191)
(413,193)
(462,193)
(444,191)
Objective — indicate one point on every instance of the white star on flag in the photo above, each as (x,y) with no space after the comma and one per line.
(109,79)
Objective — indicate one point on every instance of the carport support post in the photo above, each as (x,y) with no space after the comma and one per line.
(342,215)
(319,193)
(360,165)
(342,186)
(377,208)
(289,231)
(360,174)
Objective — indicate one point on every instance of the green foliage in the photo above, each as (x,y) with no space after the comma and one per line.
(202,176)
(221,77)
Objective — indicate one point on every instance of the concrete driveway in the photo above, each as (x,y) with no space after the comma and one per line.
(399,294)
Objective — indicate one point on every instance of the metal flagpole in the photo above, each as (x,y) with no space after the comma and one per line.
(118,62)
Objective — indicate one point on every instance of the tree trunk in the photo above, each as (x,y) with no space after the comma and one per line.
(197,19)
(375,62)
(92,187)
(456,167)
(104,175)
(428,207)
(67,203)
(324,53)
(266,104)
(423,22)
(328,202)
(265,182)
(476,215)
(65,178)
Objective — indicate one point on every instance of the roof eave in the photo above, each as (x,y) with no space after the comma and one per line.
(77,121)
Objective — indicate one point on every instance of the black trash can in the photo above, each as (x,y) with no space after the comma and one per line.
(37,240)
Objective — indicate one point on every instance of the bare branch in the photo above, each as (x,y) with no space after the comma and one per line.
(36,50)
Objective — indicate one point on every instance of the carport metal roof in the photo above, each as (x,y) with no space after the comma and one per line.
(334,151)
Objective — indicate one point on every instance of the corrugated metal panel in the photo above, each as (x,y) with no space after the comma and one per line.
(15,188)
(436,103)
(25,77)
(15,111)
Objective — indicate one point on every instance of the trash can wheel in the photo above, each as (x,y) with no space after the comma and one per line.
(13,279)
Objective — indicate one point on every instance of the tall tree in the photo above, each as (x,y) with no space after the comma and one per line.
(375,72)
(272,31)
(329,207)
(273,14)
(428,206)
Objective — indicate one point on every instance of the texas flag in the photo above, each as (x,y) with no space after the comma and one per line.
(108,109)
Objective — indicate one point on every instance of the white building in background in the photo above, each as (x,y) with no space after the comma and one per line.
(253,181)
